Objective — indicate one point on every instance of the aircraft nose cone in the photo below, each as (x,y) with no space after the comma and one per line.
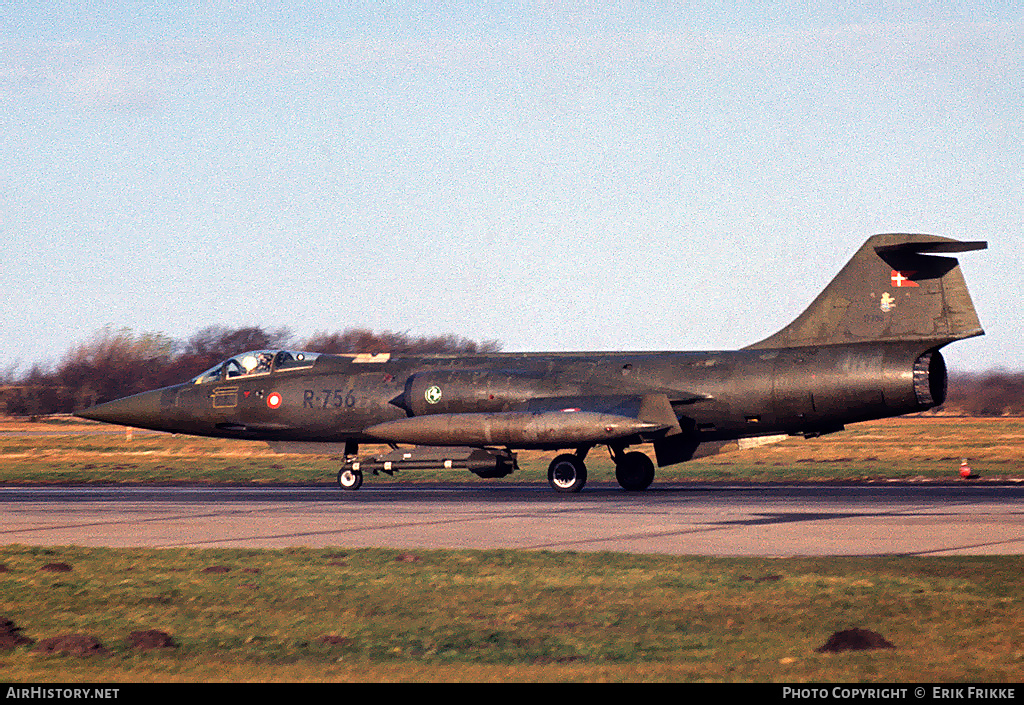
(141,410)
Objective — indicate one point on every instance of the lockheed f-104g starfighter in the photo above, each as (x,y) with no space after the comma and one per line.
(866,348)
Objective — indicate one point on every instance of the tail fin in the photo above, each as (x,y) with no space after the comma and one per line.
(889,291)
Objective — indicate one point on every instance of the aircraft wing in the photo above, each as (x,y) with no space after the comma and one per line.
(540,422)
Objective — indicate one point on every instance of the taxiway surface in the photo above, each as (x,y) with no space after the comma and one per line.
(736,520)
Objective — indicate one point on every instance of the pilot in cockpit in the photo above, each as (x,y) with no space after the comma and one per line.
(265,359)
(257,363)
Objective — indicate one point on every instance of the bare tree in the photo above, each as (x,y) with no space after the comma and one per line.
(112,364)
(214,344)
(996,393)
(117,362)
(361,340)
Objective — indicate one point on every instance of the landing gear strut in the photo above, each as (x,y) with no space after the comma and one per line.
(350,477)
(567,473)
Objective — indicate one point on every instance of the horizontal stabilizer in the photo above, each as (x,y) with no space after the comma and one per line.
(948,247)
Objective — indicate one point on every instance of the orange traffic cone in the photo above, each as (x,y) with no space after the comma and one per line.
(965,469)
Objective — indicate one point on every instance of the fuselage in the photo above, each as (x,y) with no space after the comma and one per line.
(716,395)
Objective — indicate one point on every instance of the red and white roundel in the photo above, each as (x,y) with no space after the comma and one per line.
(274,400)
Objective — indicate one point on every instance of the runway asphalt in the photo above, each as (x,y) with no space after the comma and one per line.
(686,519)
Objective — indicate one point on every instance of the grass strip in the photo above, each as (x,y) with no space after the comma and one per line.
(386,615)
(916,448)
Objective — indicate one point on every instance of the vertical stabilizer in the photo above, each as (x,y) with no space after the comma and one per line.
(894,289)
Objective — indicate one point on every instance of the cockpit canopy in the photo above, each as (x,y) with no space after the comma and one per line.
(256,362)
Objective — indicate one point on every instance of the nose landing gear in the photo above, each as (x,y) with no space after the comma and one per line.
(349,479)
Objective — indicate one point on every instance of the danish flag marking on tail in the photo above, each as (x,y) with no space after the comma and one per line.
(902,279)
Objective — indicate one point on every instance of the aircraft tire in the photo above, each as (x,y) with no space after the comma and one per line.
(567,473)
(634,471)
(350,479)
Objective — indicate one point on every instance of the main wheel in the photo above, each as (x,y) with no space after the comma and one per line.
(634,471)
(350,479)
(567,473)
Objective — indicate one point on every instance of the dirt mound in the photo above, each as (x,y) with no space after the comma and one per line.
(10,635)
(216,569)
(854,640)
(147,639)
(71,645)
(56,568)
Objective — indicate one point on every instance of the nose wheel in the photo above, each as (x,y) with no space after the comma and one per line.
(349,479)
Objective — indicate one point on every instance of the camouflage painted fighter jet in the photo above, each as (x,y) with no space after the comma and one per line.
(866,348)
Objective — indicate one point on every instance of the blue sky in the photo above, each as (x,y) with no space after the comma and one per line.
(556,176)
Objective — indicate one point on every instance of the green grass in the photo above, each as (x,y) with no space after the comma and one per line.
(504,615)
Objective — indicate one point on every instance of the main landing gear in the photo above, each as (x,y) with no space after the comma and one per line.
(568,473)
(634,471)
